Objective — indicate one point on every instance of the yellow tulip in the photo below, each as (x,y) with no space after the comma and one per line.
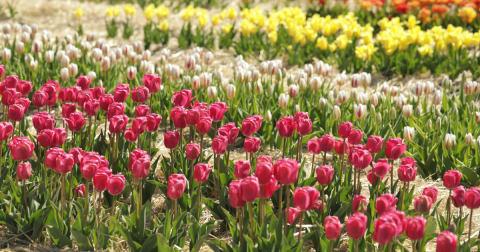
(130,10)
(272,36)
(79,12)
(116,11)
(322,43)
(231,13)
(163,26)
(162,12)
(332,47)
(227,28)
(202,21)
(289,47)
(425,49)
(342,42)
(215,19)
(109,12)
(150,12)
(223,15)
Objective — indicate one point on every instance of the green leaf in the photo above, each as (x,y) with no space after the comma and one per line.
(82,241)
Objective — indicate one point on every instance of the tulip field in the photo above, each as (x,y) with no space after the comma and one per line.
(240,126)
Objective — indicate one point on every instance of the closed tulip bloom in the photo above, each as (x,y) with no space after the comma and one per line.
(374,144)
(153,122)
(64,163)
(15,112)
(355,136)
(105,101)
(446,242)
(361,159)
(130,135)
(24,171)
(394,148)
(219,144)
(75,121)
(153,84)
(115,184)
(326,143)
(324,175)
(385,228)
(356,225)
(242,169)
(304,127)
(24,87)
(141,167)
(286,171)
(286,127)
(217,111)
(293,214)
(140,94)
(118,123)
(381,167)
(386,203)
(51,157)
(406,173)
(270,187)
(21,148)
(415,227)
(201,172)
(6,129)
(182,98)
(344,129)
(372,178)
(300,116)
(83,82)
(264,172)
(249,127)
(234,195)
(359,204)
(39,99)
(314,146)
(458,197)
(192,150)
(83,97)
(88,169)
(77,154)
(121,92)
(304,197)
(178,116)
(25,102)
(472,198)
(142,110)
(176,186)
(252,144)
(192,117)
(431,192)
(11,81)
(204,125)
(333,227)
(98,92)
(408,161)
(9,96)
(171,139)
(114,109)
(139,125)
(91,107)
(422,204)
(230,131)
(339,147)
(264,159)
(79,191)
(67,109)
(249,189)
(45,138)
(451,179)
(134,156)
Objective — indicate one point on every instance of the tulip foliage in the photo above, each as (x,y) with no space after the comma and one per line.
(278,162)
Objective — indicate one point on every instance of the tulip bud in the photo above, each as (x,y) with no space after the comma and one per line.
(417,112)
(64,74)
(231,91)
(449,141)
(437,97)
(212,92)
(360,111)
(428,126)
(407,111)
(131,72)
(393,114)
(337,113)
(322,103)
(49,56)
(19,47)
(455,110)
(293,90)
(296,109)
(438,123)
(378,119)
(468,139)
(72,70)
(283,100)
(268,116)
(408,133)
(372,110)
(6,54)
(258,88)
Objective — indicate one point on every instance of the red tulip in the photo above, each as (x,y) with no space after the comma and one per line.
(217,111)
(192,150)
(9,96)
(242,169)
(326,143)
(105,101)
(24,87)
(451,179)
(83,82)
(118,123)
(153,82)
(286,127)
(394,148)
(2,70)
(182,98)
(234,197)
(304,197)
(262,159)
(447,242)
(91,107)
(79,191)
(192,117)
(300,116)
(355,136)
(134,155)
(51,157)
(415,227)
(177,115)
(324,175)
(15,112)
(385,203)
(333,227)
(374,144)
(130,135)
(361,159)
(153,122)
(344,129)
(422,204)
(340,149)
(249,189)
(142,110)
(399,218)
(385,228)
(121,92)
(45,138)
(458,196)
(406,173)
(219,144)
(71,94)
(270,188)
(249,126)
(67,110)
(88,169)
(264,172)
(286,171)
(359,204)
(319,206)
(356,225)
(42,120)
(140,94)
(78,154)
(252,144)
(171,139)
(304,127)
(431,192)
(293,214)
(176,186)
(381,168)
(11,81)
(83,97)
(24,171)
(353,150)
(371,176)
(472,198)
(75,121)
(64,163)
(204,125)
(100,180)
(115,184)
(141,166)
(25,102)
(99,92)
(21,148)
(314,146)
(139,125)
(230,131)
(39,99)
(114,109)
(402,8)
(201,172)
(408,161)
(6,129)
